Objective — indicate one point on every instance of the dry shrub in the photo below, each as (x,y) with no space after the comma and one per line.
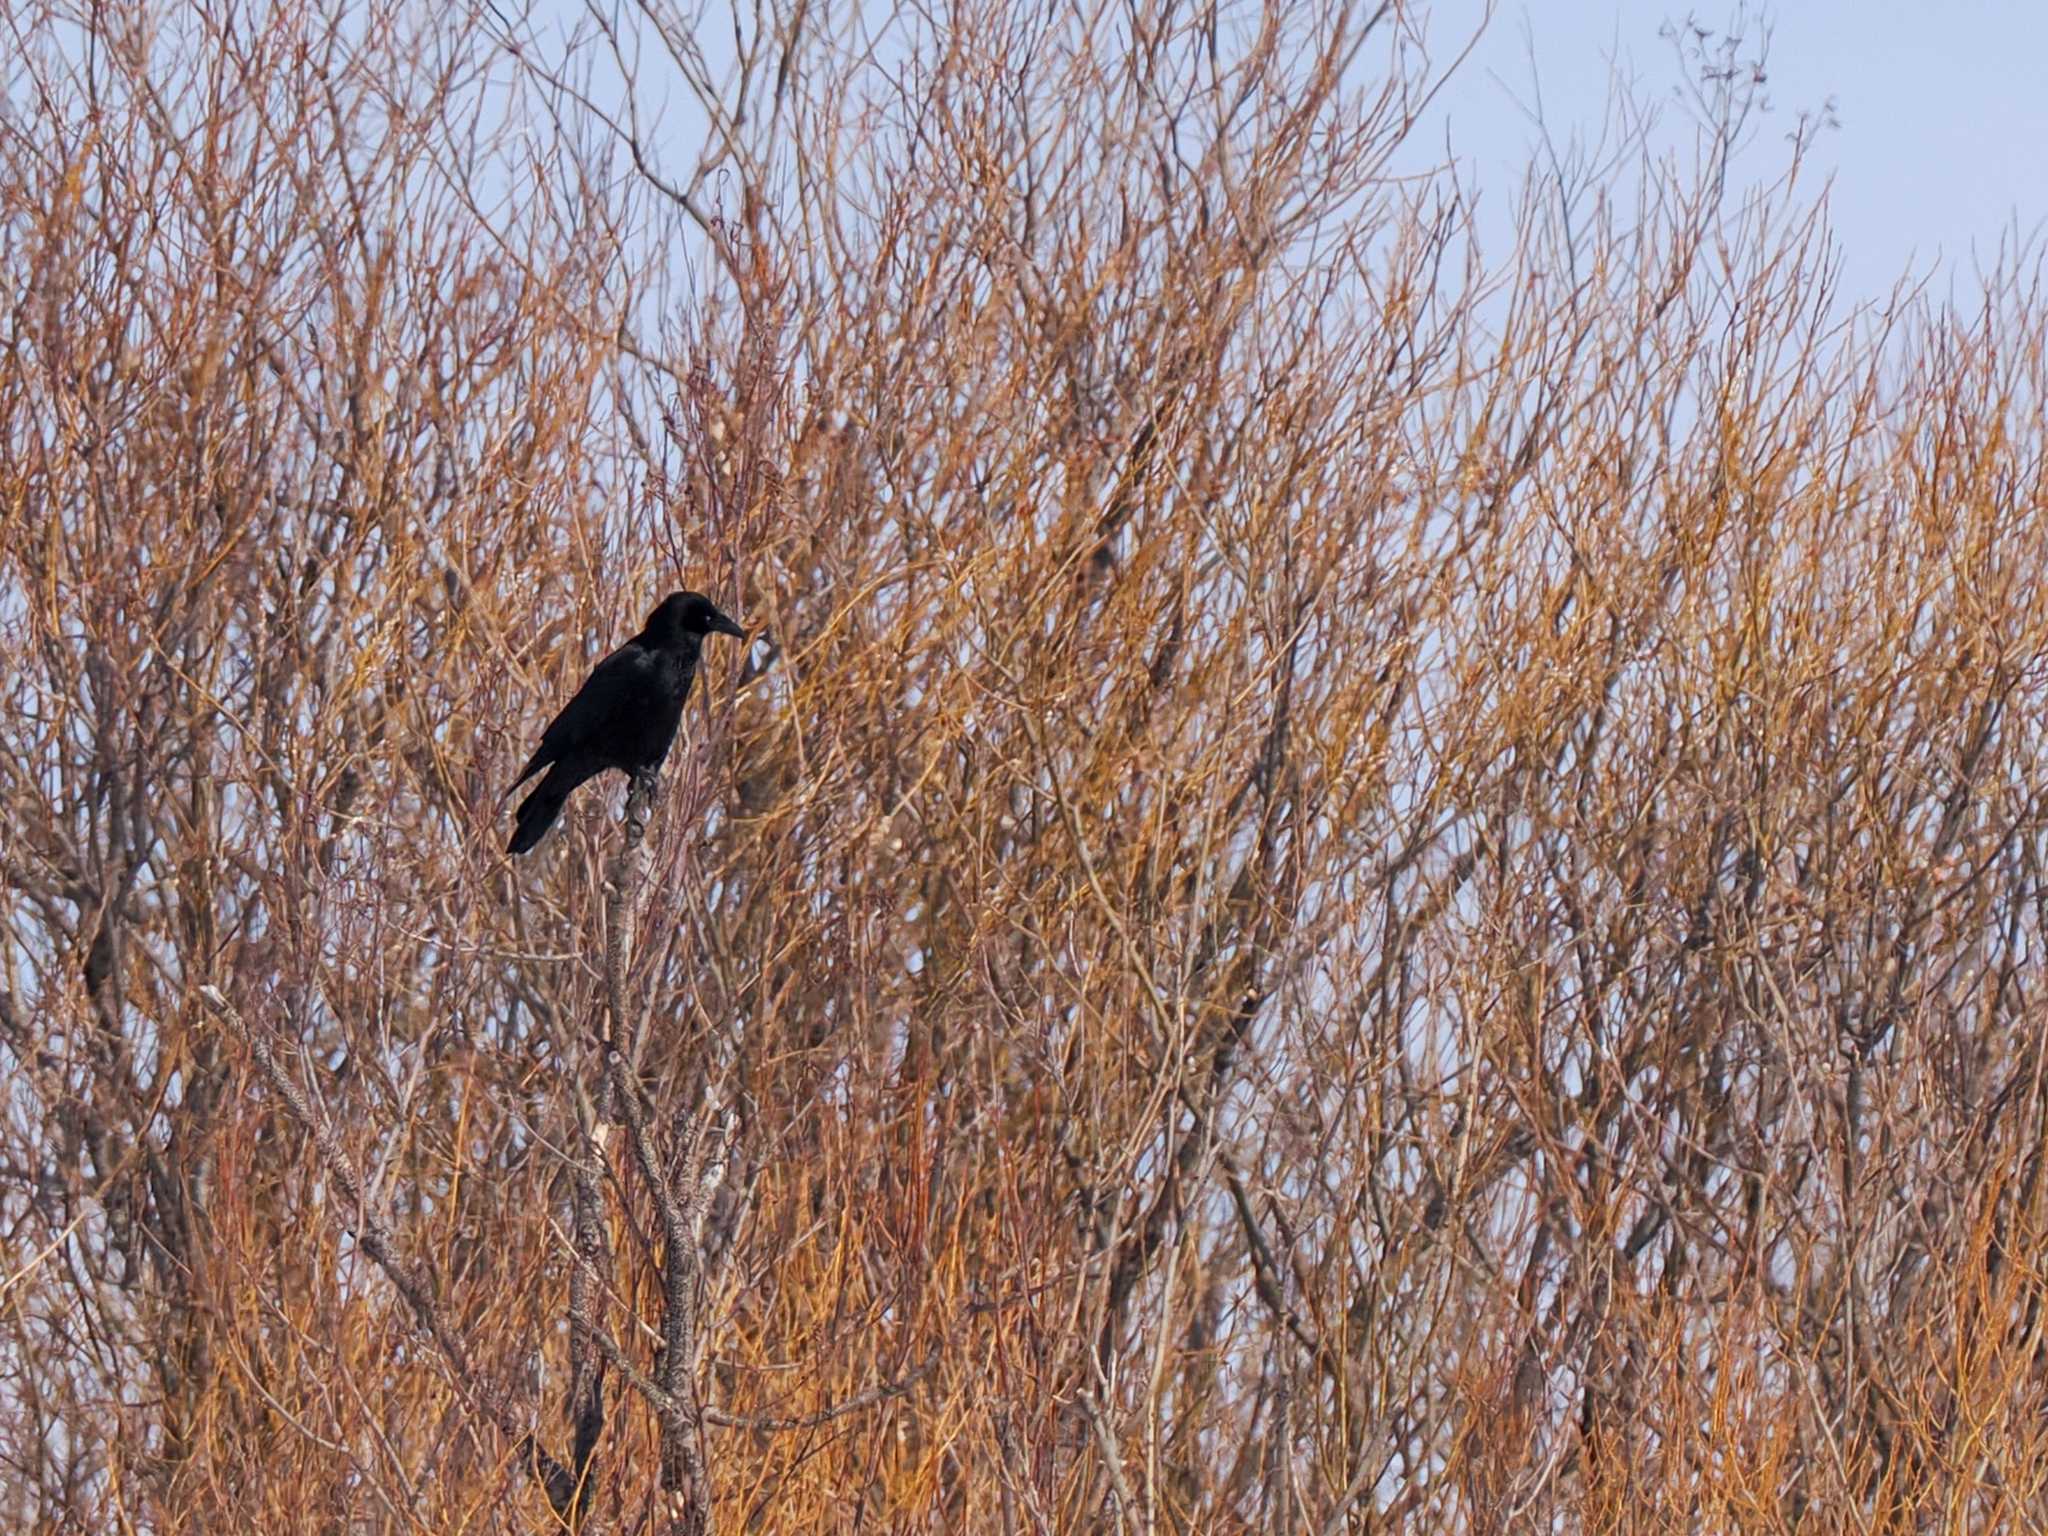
(1350,888)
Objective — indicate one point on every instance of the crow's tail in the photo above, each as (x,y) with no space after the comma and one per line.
(537,812)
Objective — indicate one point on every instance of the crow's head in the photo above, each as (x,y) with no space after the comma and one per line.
(691,613)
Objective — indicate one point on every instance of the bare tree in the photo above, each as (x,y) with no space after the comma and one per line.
(1357,884)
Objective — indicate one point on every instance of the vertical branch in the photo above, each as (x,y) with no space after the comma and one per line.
(592,1106)
(587,1284)
(596,1112)
(624,874)
(681,1203)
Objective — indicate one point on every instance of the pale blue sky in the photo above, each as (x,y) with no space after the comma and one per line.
(1940,150)
(1942,144)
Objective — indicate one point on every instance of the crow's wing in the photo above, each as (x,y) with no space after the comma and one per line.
(607,698)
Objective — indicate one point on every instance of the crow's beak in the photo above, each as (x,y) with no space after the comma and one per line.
(721,625)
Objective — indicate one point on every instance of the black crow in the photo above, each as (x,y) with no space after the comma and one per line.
(626,713)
